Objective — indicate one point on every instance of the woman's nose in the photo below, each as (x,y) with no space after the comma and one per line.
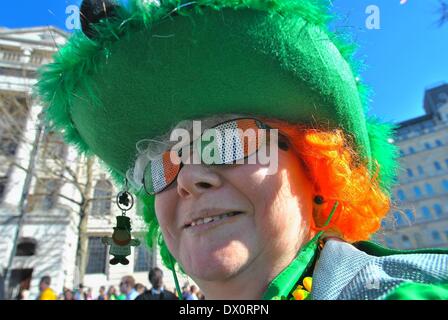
(194,179)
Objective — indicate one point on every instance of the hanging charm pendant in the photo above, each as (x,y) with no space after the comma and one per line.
(125,201)
(121,240)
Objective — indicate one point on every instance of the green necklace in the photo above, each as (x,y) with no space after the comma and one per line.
(285,282)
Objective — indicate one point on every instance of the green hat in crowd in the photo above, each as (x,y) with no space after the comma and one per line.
(138,68)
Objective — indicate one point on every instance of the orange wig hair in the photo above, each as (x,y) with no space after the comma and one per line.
(338,174)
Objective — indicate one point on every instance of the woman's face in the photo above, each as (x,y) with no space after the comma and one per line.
(260,220)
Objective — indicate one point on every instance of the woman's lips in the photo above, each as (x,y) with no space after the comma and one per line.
(206,223)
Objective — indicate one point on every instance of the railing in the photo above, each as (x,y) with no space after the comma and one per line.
(36,59)
(9,55)
(13,56)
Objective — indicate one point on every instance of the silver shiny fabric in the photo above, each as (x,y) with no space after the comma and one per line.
(345,273)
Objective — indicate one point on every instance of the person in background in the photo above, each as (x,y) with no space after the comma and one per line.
(62,294)
(89,294)
(102,293)
(127,288)
(140,288)
(79,293)
(157,291)
(112,293)
(46,293)
(23,294)
(185,291)
(68,295)
(193,293)
(200,295)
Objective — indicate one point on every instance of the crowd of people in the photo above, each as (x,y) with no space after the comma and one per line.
(128,289)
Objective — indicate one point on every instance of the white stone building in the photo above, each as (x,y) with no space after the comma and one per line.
(48,239)
(420,216)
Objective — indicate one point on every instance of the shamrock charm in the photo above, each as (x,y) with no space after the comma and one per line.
(125,201)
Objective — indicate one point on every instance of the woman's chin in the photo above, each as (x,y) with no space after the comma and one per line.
(215,264)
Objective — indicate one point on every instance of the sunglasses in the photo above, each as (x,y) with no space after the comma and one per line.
(226,143)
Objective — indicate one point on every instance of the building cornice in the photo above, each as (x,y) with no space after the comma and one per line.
(11,36)
(416,120)
(34,29)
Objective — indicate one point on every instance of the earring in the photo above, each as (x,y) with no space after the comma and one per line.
(121,240)
(318,200)
(321,220)
(319,205)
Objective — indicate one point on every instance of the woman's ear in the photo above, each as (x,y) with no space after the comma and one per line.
(93,11)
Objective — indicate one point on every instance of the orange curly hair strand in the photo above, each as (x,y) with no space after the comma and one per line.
(338,174)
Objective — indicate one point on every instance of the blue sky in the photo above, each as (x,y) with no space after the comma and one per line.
(406,55)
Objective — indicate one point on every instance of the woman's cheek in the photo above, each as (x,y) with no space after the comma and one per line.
(165,207)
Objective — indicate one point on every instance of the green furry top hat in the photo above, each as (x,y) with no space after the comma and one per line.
(135,70)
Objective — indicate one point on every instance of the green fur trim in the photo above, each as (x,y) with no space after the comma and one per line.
(383,151)
(145,208)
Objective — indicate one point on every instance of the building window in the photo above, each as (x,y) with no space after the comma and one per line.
(446,234)
(436,235)
(389,242)
(14,114)
(401,153)
(418,240)
(402,197)
(410,215)
(102,198)
(429,189)
(420,170)
(437,165)
(143,258)
(47,191)
(398,219)
(406,241)
(426,213)
(438,210)
(26,247)
(97,254)
(417,192)
(427,145)
(445,185)
(428,125)
(446,162)
(411,150)
(439,143)
(410,173)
